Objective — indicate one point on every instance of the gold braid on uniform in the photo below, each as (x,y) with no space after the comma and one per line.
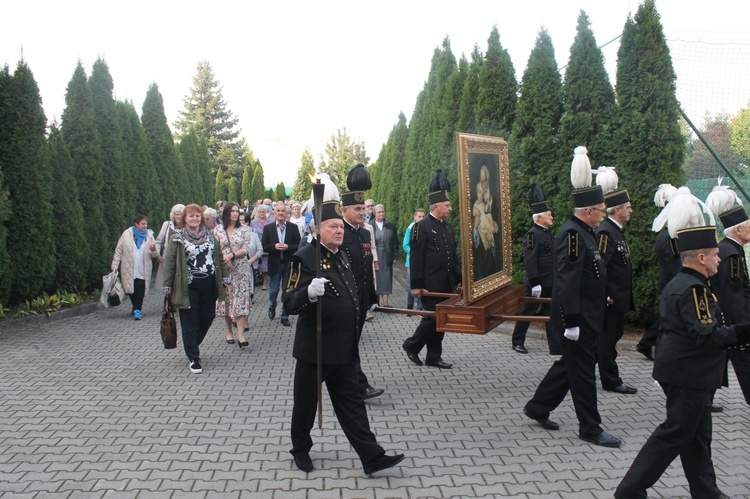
(700,297)
(295,271)
(530,241)
(603,242)
(572,245)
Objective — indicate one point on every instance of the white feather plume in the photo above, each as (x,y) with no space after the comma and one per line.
(580,168)
(664,194)
(683,211)
(722,199)
(607,178)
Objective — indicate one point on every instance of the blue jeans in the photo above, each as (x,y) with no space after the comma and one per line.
(410,300)
(274,284)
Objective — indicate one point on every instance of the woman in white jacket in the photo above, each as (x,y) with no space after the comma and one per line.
(168,229)
(133,255)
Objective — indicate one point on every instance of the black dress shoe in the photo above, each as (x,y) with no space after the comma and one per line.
(520,349)
(382,463)
(285,322)
(439,363)
(604,439)
(413,357)
(303,462)
(623,389)
(646,352)
(546,423)
(717,408)
(271,312)
(371,393)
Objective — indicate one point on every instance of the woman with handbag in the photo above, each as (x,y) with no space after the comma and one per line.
(194,277)
(133,255)
(234,239)
(165,235)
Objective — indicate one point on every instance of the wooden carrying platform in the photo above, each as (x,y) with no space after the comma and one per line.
(481,316)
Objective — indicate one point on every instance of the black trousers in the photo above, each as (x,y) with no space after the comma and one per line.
(574,372)
(649,337)
(606,349)
(139,291)
(427,334)
(520,329)
(685,433)
(196,320)
(348,404)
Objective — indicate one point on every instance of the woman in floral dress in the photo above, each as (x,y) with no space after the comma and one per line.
(234,240)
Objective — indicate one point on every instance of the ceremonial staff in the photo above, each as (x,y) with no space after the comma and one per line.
(318,189)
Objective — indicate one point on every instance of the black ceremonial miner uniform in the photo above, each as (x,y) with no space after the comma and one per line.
(540,270)
(340,319)
(689,366)
(732,289)
(668,257)
(615,253)
(434,266)
(358,249)
(578,299)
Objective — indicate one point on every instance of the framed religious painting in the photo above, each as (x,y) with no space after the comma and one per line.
(484,207)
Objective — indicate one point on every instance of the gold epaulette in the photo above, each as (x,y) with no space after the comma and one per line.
(295,271)
(702,311)
(530,241)
(603,242)
(572,244)
(734,266)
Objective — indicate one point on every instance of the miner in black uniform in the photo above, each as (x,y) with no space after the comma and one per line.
(689,366)
(577,314)
(615,253)
(341,313)
(668,258)
(538,262)
(358,248)
(434,267)
(731,284)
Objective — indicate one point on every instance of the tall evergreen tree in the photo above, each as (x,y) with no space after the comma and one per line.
(340,154)
(161,150)
(220,186)
(70,257)
(233,192)
(649,144)
(110,140)
(200,180)
(280,192)
(259,189)
(470,94)
(143,190)
(79,132)
(535,134)
(387,174)
(495,109)
(208,113)
(302,184)
(6,115)
(246,188)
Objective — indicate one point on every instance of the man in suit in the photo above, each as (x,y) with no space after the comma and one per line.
(689,365)
(336,293)
(539,264)
(434,266)
(577,317)
(280,240)
(615,253)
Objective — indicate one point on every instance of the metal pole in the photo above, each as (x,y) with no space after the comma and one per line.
(318,189)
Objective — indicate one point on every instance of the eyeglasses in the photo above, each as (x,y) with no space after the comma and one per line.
(599,210)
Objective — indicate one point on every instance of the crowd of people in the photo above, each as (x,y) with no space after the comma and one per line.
(210,260)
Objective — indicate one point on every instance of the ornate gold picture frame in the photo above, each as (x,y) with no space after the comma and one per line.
(484,207)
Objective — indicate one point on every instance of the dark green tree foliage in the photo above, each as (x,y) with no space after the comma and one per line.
(220,186)
(496,101)
(79,132)
(23,154)
(386,174)
(341,153)
(142,189)
(469,94)
(280,192)
(110,141)
(247,184)
(233,191)
(431,140)
(302,188)
(535,136)
(200,180)
(6,115)
(259,181)
(161,151)
(649,144)
(70,257)
(271,194)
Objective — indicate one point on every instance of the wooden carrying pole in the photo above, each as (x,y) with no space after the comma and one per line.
(318,189)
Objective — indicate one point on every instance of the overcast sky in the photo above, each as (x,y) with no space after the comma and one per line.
(295,72)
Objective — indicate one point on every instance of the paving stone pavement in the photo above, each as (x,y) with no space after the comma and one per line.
(93,406)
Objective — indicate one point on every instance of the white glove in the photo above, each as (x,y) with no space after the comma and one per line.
(572,333)
(536,291)
(373,307)
(316,288)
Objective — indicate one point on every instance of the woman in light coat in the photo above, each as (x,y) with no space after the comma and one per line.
(133,254)
(165,235)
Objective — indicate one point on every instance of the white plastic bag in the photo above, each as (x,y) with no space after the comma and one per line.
(108,284)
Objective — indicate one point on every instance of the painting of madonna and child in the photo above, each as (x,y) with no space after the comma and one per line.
(484,200)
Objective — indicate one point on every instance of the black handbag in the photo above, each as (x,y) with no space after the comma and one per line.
(168,325)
